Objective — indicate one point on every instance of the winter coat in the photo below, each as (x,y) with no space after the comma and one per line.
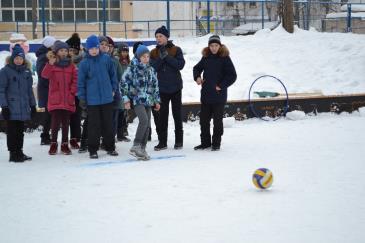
(16,90)
(42,86)
(62,86)
(139,84)
(218,71)
(97,80)
(168,69)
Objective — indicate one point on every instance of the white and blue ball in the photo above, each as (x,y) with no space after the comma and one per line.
(262,178)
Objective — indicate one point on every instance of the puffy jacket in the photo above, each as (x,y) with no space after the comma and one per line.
(42,86)
(139,84)
(16,90)
(97,80)
(62,86)
(168,69)
(218,71)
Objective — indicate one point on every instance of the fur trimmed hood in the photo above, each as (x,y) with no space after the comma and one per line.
(222,52)
(27,63)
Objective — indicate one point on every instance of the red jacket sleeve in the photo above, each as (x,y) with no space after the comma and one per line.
(47,71)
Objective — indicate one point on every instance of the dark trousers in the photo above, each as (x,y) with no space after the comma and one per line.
(207,112)
(46,123)
(15,135)
(75,122)
(84,129)
(60,118)
(163,118)
(122,123)
(100,122)
(156,118)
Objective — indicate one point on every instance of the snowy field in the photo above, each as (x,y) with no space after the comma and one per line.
(306,61)
(318,194)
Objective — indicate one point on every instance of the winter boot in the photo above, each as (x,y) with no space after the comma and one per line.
(25,157)
(53,148)
(83,146)
(179,135)
(74,144)
(65,149)
(45,139)
(160,146)
(112,153)
(15,157)
(145,154)
(93,155)
(137,152)
(216,147)
(202,147)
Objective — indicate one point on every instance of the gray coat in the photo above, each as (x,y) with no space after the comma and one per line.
(16,90)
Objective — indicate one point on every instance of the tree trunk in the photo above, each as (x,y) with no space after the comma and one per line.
(287,15)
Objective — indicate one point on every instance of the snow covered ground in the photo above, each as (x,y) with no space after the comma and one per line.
(306,61)
(318,192)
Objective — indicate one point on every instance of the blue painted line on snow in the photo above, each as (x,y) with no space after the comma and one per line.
(106,163)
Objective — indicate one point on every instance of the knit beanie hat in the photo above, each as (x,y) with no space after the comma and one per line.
(58,45)
(214,39)
(162,30)
(92,42)
(48,41)
(74,42)
(142,49)
(123,47)
(136,45)
(17,52)
(110,41)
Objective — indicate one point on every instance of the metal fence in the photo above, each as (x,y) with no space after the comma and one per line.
(232,17)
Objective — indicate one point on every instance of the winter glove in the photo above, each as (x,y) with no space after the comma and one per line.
(5,112)
(163,52)
(33,111)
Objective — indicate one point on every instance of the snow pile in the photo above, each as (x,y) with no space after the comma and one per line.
(229,122)
(362,111)
(295,115)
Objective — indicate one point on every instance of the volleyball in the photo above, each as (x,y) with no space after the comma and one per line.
(262,178)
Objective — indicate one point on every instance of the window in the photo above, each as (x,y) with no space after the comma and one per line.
(115,15)
(92,4)
(56,4)
(80,4)
(6,4)
(29,3)
(29,16)
(46,13)
(114,3)
(19,4)
(57,15)
(7,15)
(253,5)
(20,15)
(101,4)
(68,16)
(230,4)
(68,3)
(101,16)
(92,15)
(80,16)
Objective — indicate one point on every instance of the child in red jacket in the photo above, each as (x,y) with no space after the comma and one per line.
(62,76)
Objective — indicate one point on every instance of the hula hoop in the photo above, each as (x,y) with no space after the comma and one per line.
(286,107)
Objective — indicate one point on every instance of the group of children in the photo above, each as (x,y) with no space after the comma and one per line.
(101,84)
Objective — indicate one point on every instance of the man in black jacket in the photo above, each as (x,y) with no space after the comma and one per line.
(219,74)
(168,60)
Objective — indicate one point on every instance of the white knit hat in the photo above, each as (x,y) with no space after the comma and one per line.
(48,41)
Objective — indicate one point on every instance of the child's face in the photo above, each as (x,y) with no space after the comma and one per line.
(94,51)
(62,53)
(214,48)
(125,54)
(161,39)
(104,47)
(111,49)
(73,52)
(145,58)
(18,60)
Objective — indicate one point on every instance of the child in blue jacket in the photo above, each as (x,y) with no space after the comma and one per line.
(17,101)
(140,89)
(97,86)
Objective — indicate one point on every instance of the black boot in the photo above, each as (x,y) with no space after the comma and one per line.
(45,139)
(15,157)
(83,146)
(202,146)
(179,135)
(216,144)
(25,157)
(160,146)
